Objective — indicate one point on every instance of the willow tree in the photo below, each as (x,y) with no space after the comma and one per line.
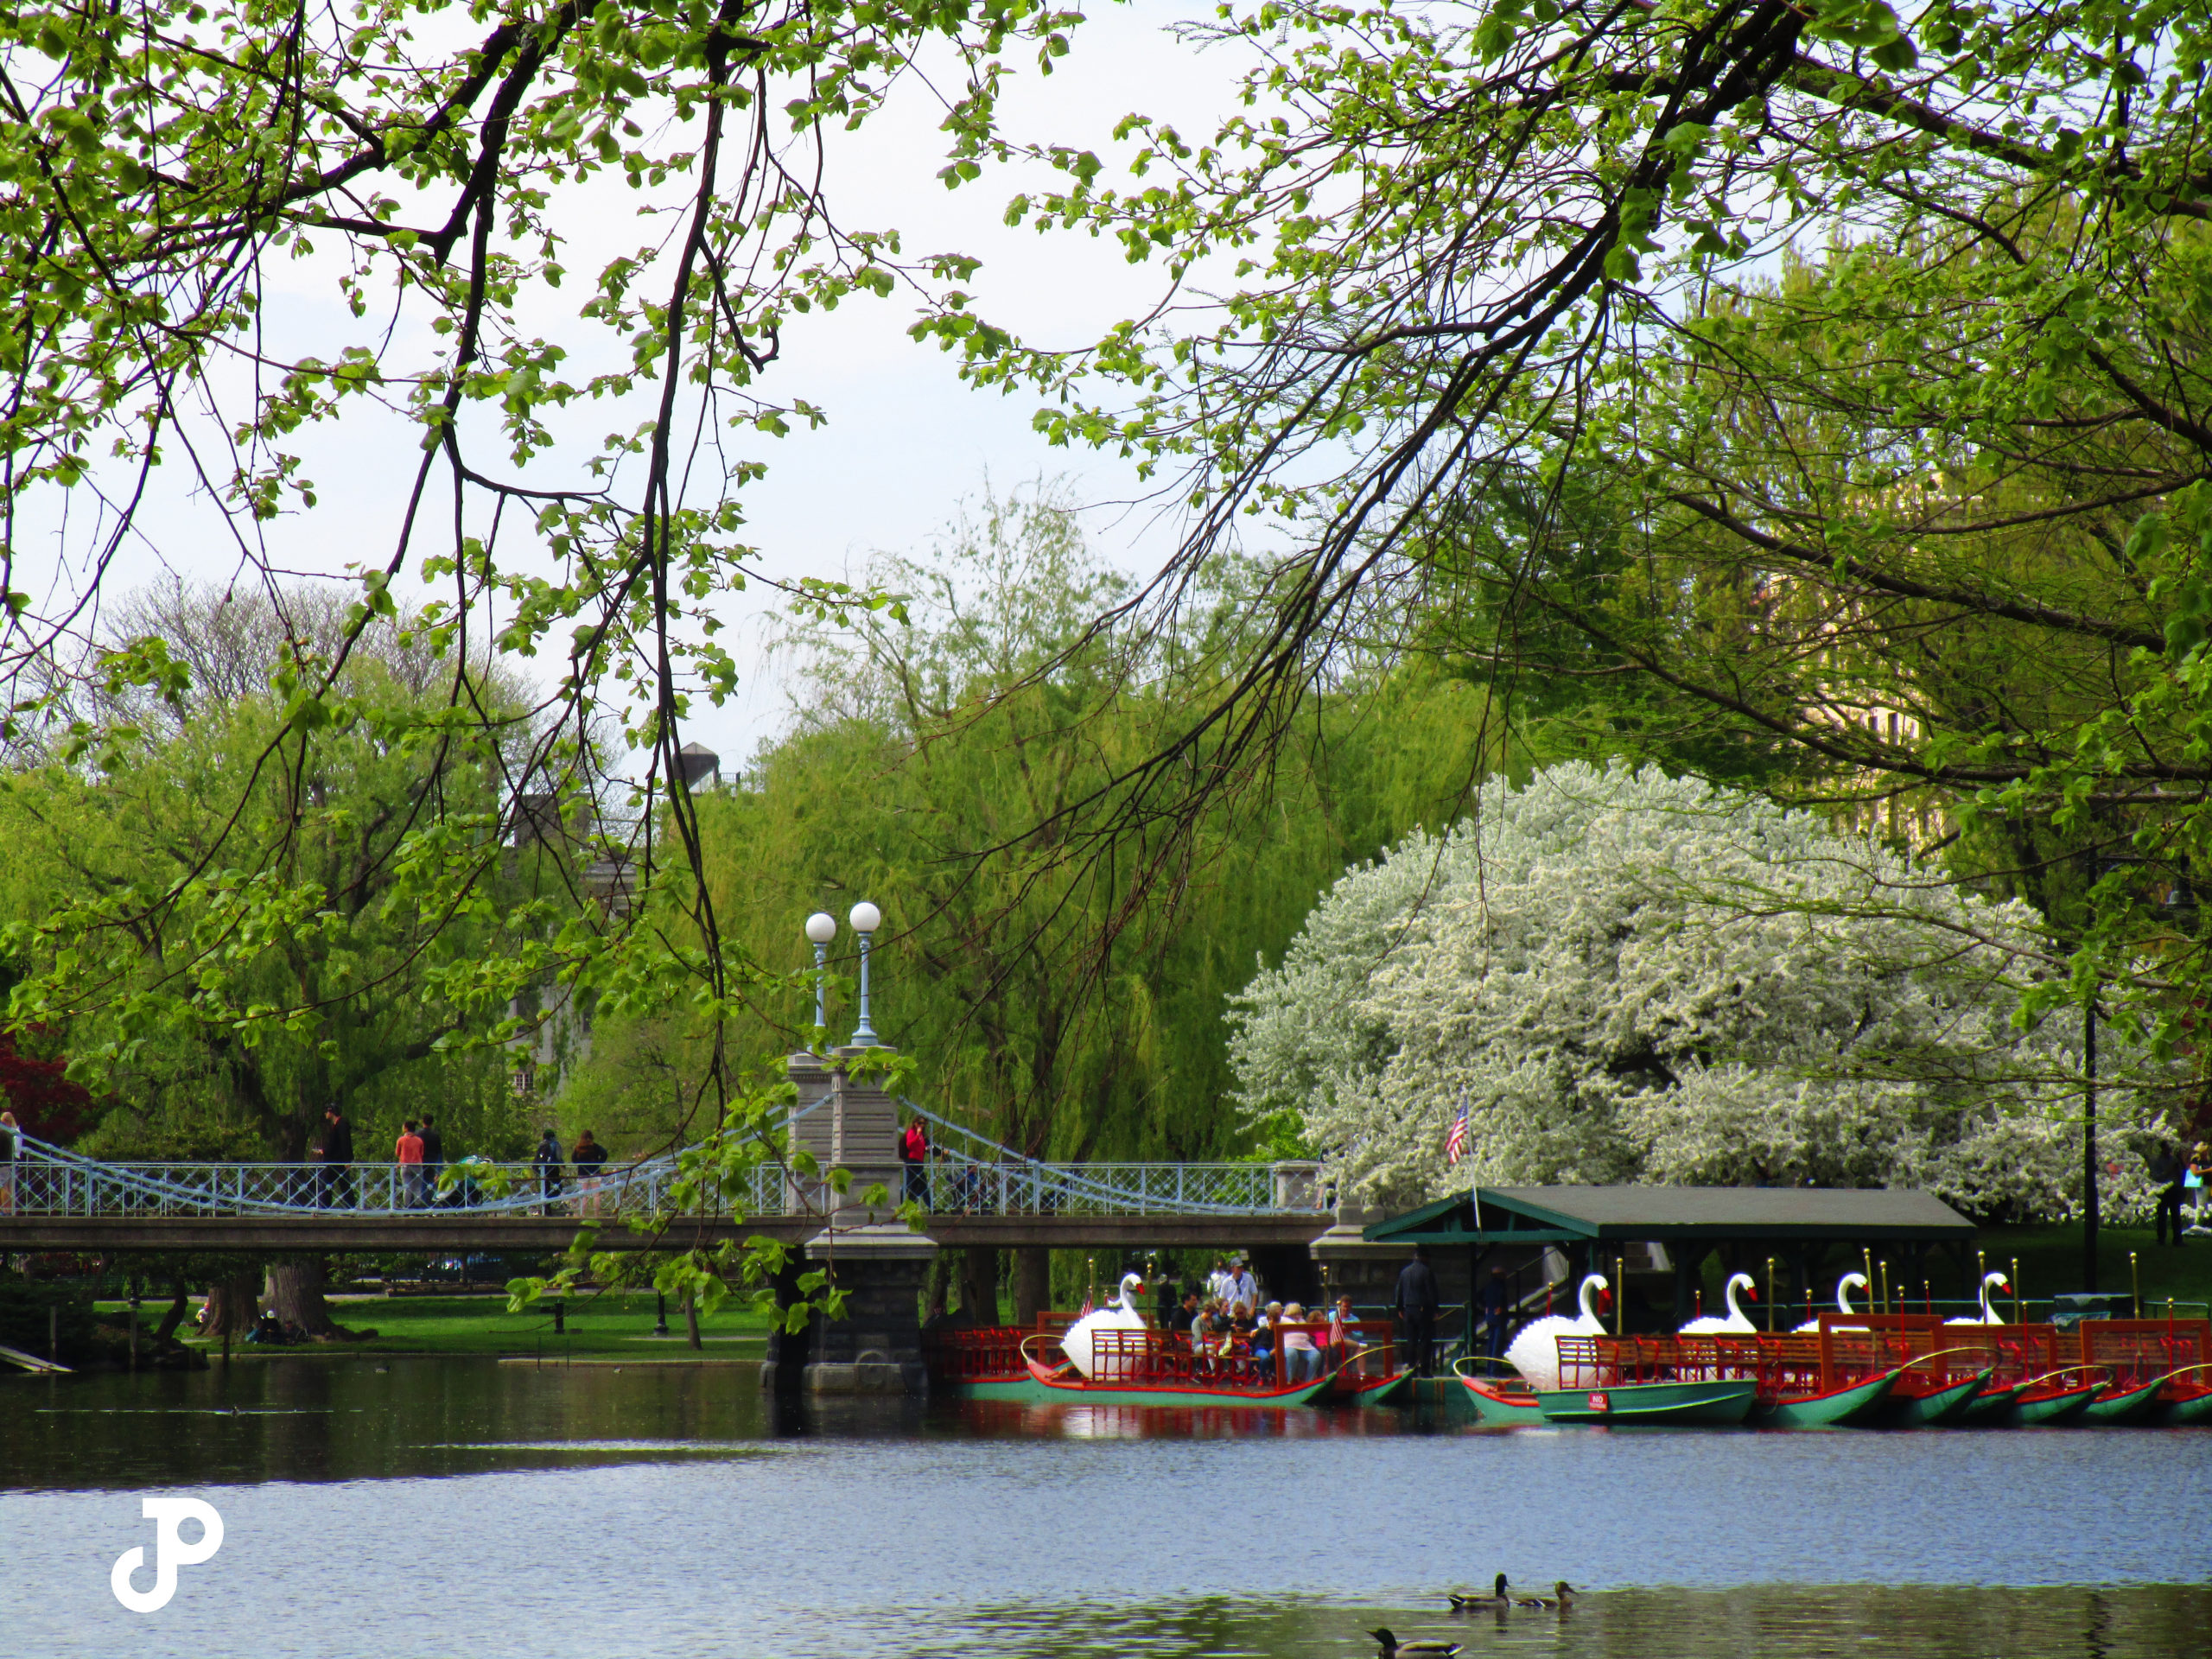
(1058,994)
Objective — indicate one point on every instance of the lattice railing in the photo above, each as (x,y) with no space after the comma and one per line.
(51,1181)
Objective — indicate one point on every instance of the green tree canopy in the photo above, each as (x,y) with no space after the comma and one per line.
(1059,992)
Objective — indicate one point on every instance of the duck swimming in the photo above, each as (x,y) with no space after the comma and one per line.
(1562,1596)
(1392,1647)
(1497,1598)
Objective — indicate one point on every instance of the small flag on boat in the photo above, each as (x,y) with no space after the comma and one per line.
(1455,1144)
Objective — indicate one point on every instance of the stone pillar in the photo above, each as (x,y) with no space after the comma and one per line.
(877,1347)
(1351,1266)
(809,1126)
(874,1258)
(848,1123)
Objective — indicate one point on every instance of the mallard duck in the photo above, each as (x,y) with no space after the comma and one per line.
(1562,1595)
(1497,1598)
(1392,1647)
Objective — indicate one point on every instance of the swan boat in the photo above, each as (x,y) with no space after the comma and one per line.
(1122,1366)
(1511,1401)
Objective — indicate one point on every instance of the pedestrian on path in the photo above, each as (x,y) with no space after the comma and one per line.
(11,1141)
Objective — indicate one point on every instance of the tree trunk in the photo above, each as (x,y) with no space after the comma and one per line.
(233,1304)
(293,1292)
(690,1319)
(979,1284)
(178,1308)
(1032,1282)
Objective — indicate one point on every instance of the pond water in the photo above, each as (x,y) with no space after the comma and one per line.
(443,1507)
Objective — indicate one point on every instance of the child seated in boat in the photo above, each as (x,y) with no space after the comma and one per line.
(1244,1339)
(1258,1341)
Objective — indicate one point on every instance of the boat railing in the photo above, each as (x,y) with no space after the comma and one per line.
(2132,1352)
(954,1354)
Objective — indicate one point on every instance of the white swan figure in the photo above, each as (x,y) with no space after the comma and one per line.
(1534,1352)
(1842,1297)
(1738,1323)
(1989,1313)
(1081,1341)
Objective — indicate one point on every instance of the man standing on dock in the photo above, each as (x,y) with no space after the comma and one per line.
(1417,1302)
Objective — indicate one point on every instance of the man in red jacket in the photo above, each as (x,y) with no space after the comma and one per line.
(914,1154)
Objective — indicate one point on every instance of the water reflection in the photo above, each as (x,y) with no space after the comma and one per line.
(1768,1621)
(702,1522)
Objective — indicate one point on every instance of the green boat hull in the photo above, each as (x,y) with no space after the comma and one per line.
(2133,1406)
(1508,1412)
(1386,1393)
(1092,1393)
(1839,1406)
(1991,1408)
(1708,1404)
(2053,1408)
(2180,1414)
(1932,1410)
(1023,1389)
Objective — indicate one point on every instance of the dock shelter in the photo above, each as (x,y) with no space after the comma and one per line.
(1594,1226)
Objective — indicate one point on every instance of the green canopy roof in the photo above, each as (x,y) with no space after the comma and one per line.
(1555,1215)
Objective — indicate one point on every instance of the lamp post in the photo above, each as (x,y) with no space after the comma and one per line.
(865,919)
(821,928)
(2089,1217)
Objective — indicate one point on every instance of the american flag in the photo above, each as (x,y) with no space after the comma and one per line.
(1455,1144)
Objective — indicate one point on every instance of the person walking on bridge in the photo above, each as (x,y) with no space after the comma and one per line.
(1417,1302)
(914,1155)
(434,1159)
(550,1164)
(334,1152)
(589,1157)
(11,1143)
(407,1151)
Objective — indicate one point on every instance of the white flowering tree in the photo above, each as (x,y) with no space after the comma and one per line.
(1624,976)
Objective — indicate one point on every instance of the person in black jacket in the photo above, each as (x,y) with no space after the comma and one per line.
(588,1155)
(1417,1302)
(550,1164)
(334,1152)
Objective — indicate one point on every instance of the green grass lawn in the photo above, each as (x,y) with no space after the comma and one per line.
(2051,1261)
(612,1323)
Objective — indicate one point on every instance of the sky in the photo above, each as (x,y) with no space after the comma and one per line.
(905,441)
